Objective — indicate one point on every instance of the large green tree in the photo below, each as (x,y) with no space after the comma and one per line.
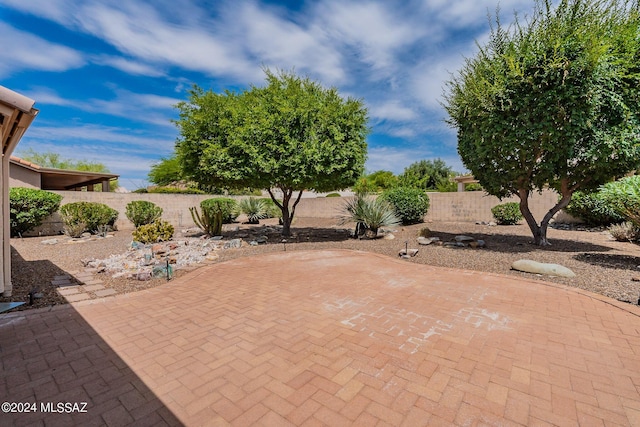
(552,101)
(166,171)
(433,175)
(291,134)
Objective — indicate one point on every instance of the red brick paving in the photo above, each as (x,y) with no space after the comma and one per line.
(329,338)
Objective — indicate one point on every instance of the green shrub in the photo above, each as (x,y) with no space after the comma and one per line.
(473,186)
(254,209)
(369,214)
(174,190)
(624,198)
(95,216)
(157,231)
(142,212)
(333,195)
(507,213)
(28,207)
(593,209)
(228,207)
(410,204)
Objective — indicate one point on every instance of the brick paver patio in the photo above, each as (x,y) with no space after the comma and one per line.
(329,338)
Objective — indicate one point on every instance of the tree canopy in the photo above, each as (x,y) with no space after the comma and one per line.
(291,134)
(434,175)
(167,171)
(552,101)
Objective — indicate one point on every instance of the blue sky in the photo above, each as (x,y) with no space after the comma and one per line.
(106,74)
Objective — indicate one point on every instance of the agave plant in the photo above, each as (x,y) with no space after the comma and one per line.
(369,214)
(254,209)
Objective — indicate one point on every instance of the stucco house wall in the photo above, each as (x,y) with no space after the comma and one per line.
(20,176)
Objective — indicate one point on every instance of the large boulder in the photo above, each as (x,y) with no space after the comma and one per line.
(530,266)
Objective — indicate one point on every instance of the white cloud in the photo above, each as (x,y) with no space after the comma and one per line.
(392,110)
(368,32)
(26,51)
(128,66)
(117,138)
(390,158)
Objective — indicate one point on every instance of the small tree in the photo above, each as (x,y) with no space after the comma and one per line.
(552,102)
(291,134)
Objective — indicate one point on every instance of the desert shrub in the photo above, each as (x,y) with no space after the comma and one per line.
(333,195)
(142,212)
(507,213)
(624,198)
(410,204)
(93,215)
(157,231)
(369,214)
(592,208)
(228,207)
(254,209)
(28,207)
(271,210)
(74,230)
(424,232)
(625,232)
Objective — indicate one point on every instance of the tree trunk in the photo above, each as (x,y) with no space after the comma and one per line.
(539,232)
(287,216)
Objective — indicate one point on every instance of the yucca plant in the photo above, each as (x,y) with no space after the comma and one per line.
(254,209)
(369,214)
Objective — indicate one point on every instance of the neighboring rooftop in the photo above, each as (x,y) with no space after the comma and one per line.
(62,179)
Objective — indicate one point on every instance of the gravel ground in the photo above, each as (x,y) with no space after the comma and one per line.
(601,264)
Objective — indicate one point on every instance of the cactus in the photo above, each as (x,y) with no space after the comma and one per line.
(210,221)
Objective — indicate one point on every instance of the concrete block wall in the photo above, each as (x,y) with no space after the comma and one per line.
(459,206)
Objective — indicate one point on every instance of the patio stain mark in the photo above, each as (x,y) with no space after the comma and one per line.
(404,329)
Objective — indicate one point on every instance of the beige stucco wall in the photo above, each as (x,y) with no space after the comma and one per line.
(465,206)
(20,176)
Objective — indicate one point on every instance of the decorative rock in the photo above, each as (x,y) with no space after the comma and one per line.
(253,243)
(389,236)
(216,238)
(233,244)
(481,243)
(86,261)
(408,253)
(261,239)
(464,239)
(530,266)
(427,240)
(49,242)
(143,276)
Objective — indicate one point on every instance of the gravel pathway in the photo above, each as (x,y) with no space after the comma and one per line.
(601,264)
